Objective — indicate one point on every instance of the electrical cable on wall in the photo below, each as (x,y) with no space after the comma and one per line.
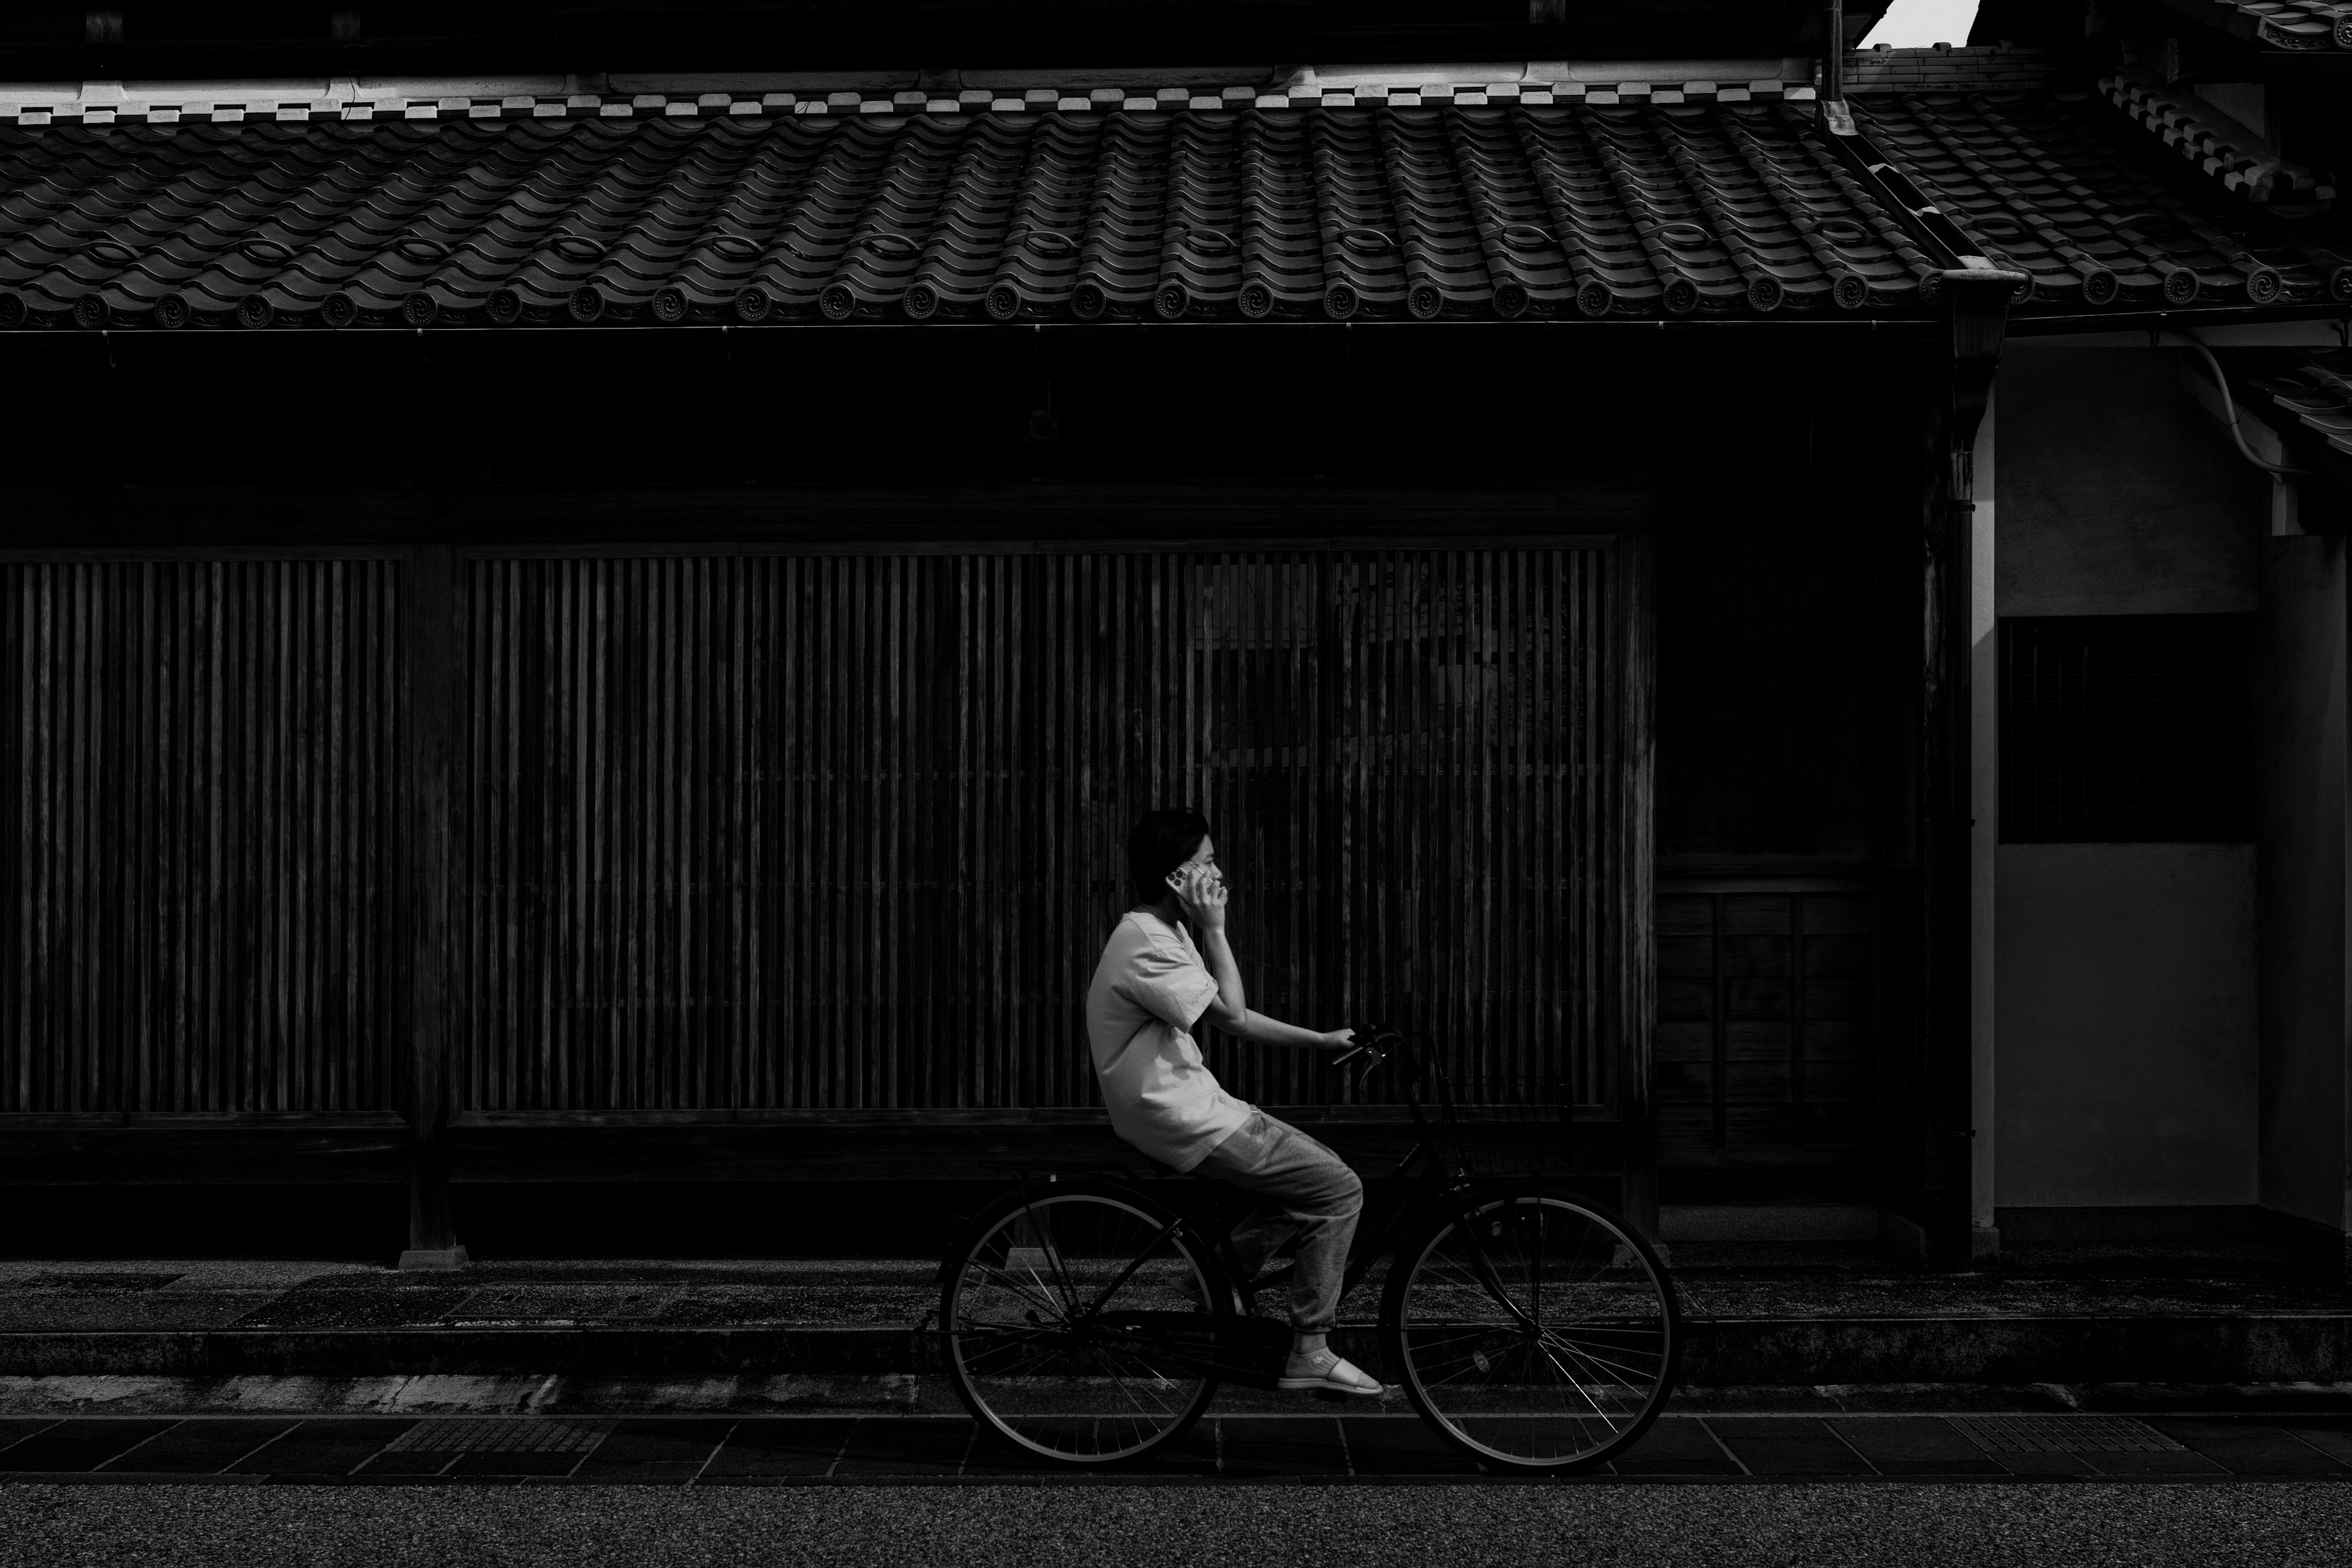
(2229,406)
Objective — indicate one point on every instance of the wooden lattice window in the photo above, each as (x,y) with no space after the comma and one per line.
(806,831)
(1768,1019)
(2124,728)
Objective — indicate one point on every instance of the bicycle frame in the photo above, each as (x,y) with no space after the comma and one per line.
(1432,1185)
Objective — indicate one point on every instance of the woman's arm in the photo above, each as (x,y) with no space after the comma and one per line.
(1203,899)
(1204,903)
(1273,1031)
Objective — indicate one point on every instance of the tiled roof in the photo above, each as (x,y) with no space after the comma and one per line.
(2211,140)
(2299,26)
(560,97)
(2318,393)
(1441,209)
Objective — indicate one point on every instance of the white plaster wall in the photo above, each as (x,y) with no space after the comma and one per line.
(2126,1059)
(2117,495)
(2306,826)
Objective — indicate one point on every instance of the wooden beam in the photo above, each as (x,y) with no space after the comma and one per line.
(967,1152)
(429,654)
(184,1155)
(1978,301)
(1636,976)
(653,1146)
(987,515)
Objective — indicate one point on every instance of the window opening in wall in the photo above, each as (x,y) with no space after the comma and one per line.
(2124,728)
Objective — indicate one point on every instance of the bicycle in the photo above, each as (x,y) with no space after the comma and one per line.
(1091,1324)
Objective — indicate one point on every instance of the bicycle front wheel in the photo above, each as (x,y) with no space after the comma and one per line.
(1533,1329)
(1062,1309)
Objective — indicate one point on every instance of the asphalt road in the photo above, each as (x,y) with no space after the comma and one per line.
(2038,1526)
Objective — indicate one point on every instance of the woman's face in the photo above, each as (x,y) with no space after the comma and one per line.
(1204,858)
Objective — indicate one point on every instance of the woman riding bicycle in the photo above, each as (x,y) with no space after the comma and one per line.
(1166,968)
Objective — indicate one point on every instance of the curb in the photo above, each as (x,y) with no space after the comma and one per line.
(2117,1348)
(338,1352)
(2219,1349)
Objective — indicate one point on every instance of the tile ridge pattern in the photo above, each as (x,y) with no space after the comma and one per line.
(2091,226)
(1423,213)
(2308,24)
(108,103)
(2241,160)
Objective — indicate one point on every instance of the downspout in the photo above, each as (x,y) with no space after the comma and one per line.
(1975,294)
(1833,110)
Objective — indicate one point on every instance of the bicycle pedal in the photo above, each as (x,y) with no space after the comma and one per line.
(1330,1396)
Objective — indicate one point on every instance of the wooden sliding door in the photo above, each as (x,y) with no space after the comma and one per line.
(845,831)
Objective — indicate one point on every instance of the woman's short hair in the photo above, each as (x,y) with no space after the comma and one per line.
(1162,841)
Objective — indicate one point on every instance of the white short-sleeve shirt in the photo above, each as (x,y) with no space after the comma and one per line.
(1147,992)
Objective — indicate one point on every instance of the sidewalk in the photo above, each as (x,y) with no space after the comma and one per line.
(1761,1314)
(679,1451)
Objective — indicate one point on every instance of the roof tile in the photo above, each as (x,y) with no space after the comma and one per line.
(1431,205)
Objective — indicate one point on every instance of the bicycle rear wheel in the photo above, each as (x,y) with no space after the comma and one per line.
(1059,1306)
(1533,1329)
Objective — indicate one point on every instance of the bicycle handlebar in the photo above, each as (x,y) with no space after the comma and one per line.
(1376,1041)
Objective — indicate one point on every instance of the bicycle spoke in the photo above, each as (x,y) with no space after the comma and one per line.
(999,1341)
(1588,1358)
(1073,1389)
(1573,1382)
(1482,1360)
(1012,1283)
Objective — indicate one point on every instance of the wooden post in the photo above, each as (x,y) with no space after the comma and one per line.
(1637,968)
(1979,300)
(429,660)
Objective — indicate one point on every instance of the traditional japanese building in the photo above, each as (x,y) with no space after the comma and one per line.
(587,595)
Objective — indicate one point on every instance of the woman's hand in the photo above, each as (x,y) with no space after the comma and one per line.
(1202,894)
(1338,1039)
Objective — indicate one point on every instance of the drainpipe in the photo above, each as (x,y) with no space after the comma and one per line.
(1974,292)
(1833,110)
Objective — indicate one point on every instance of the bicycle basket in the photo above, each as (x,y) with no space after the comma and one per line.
(1504,1125)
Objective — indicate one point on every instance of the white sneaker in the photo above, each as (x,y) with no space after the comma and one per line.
(1324,1370)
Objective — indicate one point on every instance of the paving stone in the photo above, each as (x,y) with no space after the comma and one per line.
(1281,1445)
(2250,1448)
(2157,1462)
(1677,1445)
(201,1447)
(17,1429)
(785,1446)
(1750,1399)
(655,1452)
(1787,1446)
(2078,1434)
(1400,1446)
(1193,1455)
(1916,1446)
(407,1462)
(2331,1435)
(515,1462)
(665,1451)
(79,1445)
(992,1457)
(324,1446)
(905,1445)
(2042,1464)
